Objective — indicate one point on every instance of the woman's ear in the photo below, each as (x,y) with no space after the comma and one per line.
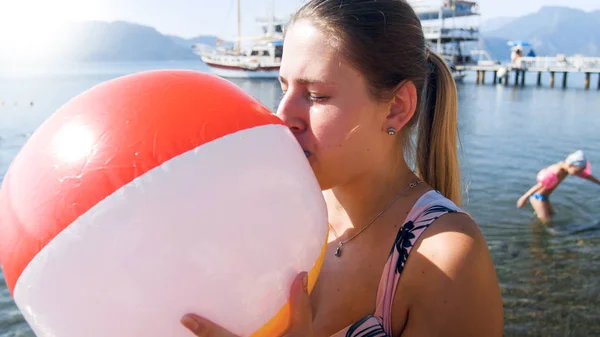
(402,106)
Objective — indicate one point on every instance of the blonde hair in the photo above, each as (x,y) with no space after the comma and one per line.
(437,136)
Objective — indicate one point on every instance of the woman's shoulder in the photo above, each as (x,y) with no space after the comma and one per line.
(451,231)
(448,237)
(558,167)
(452,235)
(450,275)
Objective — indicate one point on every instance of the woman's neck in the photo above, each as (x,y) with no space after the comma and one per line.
(352,205)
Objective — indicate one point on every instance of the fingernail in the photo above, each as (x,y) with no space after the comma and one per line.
(190,323)
(305,283)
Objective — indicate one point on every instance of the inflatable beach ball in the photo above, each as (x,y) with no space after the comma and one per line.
(154,195)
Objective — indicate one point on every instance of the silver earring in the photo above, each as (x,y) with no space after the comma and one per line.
(391,131)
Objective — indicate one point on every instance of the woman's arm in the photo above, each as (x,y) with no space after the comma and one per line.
(452,284)
(592,179)
(523,199)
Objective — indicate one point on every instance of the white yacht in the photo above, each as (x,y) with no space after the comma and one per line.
(261,60)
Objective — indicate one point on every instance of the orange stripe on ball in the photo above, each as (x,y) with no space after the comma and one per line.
(278,325)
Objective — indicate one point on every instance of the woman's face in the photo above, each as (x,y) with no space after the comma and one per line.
(573,170)
(327,106)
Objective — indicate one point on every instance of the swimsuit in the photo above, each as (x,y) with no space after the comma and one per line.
(548,178)
(426,210)
(539,197)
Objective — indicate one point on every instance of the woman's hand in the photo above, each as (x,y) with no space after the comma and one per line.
(522,201)
(301,315)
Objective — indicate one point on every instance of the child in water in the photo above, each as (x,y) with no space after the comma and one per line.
(550,177)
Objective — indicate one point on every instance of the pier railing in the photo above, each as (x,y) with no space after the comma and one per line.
(539,64)
(560,63)
(433,32)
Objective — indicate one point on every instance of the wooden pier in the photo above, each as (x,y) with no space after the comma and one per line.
(538,66)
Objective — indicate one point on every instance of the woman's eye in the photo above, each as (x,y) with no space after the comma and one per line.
(317,98)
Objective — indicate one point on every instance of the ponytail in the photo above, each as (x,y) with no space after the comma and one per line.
(437,153)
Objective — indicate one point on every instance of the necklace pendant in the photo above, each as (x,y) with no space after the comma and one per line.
(338,250)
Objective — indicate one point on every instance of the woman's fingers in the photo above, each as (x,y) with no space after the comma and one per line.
(301,310)
(300,307)
(204,328)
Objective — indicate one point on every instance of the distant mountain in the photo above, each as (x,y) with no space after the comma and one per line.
(180,41)
(210,40)
(551,30)
(123,41)
(112,41)
(495,23)
(497,48)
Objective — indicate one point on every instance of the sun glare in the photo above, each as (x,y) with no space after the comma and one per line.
(73,143)
(31,28)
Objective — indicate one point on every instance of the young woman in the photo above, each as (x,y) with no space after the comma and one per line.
(548,180)
(403,258)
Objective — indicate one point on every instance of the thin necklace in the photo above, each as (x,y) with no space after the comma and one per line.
(338,250)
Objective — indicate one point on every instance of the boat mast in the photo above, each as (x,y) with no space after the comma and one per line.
(239,28)
(271,22)
(441,18)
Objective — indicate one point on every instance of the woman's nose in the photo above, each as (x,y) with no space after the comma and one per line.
(293,114)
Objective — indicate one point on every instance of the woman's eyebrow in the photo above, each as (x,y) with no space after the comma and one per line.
(308,80)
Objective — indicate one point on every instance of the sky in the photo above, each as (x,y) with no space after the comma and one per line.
(187,18)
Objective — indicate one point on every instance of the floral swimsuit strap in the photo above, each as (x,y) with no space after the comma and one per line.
(426,210)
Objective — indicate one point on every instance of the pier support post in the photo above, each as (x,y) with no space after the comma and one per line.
(517,77)
(598,81)
(587,80)
(483,77)
(539,79)
(478,76)
(506,78)
(523,78)
(551,79)
(495,77)
(564,80)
